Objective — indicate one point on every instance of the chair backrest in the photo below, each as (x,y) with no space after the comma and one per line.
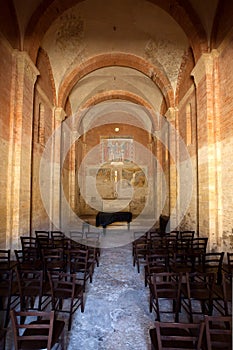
(230,262)
(62,284)
(218,332)
(42,233)
(157,263)
(187,234)
(78,262)
(171,335)
(199,244)
(28,242)
(30,282)
(36,334)
(200,282)
(76,235)
(5,258)
(57,234)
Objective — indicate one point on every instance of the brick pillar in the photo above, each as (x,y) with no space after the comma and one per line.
(171,116)
(19,168)
(206,80)
(56,205)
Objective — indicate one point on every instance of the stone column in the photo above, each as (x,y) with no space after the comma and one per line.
(24,75)
(205,74)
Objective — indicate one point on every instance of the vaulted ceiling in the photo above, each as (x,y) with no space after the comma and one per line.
(100,46)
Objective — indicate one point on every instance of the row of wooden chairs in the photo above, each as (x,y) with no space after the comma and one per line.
(32,280)
(213,332)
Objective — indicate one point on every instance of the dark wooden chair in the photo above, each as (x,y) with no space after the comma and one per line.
(188,234)
(9,296)
(58,239)
(213,262)
(218,332)
(3,332)
(197,289)
(155,263)
(229,262)
(170,336)
(34,291)
(140,251)
(165,288)
(43,333)
(79,264)
(54,259)
(65,286)
(76,239)
(92,242)
(42,234)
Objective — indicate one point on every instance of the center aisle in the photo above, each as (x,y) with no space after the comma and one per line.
(116,315)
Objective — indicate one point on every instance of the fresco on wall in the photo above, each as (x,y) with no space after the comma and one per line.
(117,149)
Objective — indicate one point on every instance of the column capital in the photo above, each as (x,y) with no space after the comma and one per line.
(171,114)
(26,65)
(204,65)
(59,114)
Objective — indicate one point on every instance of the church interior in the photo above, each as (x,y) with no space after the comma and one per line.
(116,107)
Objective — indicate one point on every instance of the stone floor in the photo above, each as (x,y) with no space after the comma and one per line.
(116,315)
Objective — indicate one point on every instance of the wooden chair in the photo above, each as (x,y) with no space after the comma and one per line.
(188,234)
(79,264)
(58,239)
(165,287)
(54,260)
(222,295)
(76,239)
(92,242)
(3,332)
(218,332)
(229,262)
(197,288)
(5,259)
(33,290)
(140,251)
(170,336)
(43,333)
(155,263)
(9,293)
(64,286)
(213,262)
(42,234)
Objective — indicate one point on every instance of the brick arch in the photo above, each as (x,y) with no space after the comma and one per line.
(121,95)
(116,59)
(180,11)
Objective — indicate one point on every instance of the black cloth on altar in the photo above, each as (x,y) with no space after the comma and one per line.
(104,219)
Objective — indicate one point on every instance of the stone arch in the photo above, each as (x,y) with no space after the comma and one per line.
(121,95)
(43,62)
(181,11)
(116,59)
